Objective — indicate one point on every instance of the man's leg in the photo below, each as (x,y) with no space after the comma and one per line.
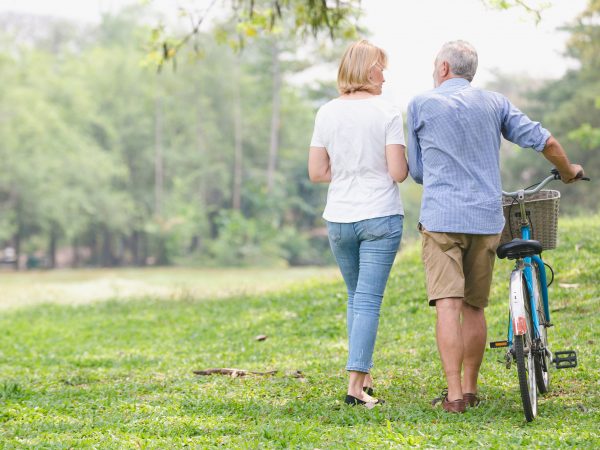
(478,269)
(450,343)
(474,335)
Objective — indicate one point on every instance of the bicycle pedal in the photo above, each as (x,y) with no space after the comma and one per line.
(565,360)
(498,344)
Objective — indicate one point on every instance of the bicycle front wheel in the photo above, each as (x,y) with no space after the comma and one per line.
(541,359)
(526,371)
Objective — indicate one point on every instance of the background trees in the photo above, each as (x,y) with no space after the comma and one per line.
(107,162)
(128,166)
(570,109)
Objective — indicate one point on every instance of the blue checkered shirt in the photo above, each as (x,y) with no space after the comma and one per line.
(454,151)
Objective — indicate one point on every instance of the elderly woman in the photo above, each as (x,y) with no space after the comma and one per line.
(358,148)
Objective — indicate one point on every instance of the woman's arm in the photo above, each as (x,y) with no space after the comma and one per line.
(319,167)
(396,162)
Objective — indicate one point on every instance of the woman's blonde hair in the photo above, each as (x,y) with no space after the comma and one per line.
(358,59)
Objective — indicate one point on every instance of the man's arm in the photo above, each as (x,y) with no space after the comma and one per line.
(415,161)
(521,130)
(554,153)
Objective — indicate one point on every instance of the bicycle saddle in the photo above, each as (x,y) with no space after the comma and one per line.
(519,248)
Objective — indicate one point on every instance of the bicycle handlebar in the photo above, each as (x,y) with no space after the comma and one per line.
(554,176)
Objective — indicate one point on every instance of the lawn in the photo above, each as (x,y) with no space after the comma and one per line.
(119,374)
(88,285)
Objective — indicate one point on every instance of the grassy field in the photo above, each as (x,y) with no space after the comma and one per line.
(118,374)
(88,285)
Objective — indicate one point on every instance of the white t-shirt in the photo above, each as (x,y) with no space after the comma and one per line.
(355,132)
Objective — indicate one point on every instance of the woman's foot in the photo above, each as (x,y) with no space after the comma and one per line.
(368,384)
(366,400)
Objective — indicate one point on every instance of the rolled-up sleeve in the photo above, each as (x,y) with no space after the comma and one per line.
(415,161)
(521,130)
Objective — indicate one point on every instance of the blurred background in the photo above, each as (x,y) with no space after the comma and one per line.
(129,136)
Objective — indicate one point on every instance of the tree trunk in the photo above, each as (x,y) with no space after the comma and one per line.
(201,149)
(93,244)
(52,249)
(106,259)
(236,198)
(135,248)
(275,117)
(17,242)
(76,256)
(158,156)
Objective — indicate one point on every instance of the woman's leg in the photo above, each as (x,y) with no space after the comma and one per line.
(380,239)
(345,247)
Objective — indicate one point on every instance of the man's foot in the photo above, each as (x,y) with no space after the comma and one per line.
(471,400)
(453,406)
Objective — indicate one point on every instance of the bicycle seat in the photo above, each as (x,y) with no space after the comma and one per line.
(519,248)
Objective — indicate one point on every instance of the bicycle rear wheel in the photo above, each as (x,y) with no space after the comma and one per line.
(541,359)
(526,372)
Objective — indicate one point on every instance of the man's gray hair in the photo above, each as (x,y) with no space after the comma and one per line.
(461,57)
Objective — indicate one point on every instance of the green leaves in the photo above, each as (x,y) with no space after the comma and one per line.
(250,19)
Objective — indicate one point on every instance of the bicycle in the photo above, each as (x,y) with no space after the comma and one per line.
(529,312)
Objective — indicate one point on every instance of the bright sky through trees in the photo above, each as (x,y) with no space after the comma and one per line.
(411,32)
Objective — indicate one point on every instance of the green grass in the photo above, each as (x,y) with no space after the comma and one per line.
(88,285)
(118,374)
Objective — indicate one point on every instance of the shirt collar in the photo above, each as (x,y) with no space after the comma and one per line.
(454,83)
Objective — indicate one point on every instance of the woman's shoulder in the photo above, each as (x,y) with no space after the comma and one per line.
(328,107)
(387,107)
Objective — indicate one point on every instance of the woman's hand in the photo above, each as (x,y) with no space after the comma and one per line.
(319,167)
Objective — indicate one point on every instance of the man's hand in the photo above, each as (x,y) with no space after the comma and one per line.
(554,153)
(571,175)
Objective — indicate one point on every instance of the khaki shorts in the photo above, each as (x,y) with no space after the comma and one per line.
(459,265)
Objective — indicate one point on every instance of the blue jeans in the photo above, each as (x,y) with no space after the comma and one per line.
(365,252)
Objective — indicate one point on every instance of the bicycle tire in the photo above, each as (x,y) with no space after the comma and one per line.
(523,364)
(541,359)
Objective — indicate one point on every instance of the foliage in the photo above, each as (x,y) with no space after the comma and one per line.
(134,167)
(339,18)
(119,374)
(533,7)
(254,18)
(570,109)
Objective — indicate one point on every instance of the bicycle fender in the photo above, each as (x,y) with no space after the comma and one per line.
(517,303)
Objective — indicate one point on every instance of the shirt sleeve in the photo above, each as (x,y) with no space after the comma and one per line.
(394,133)
(318,137)
(415,160)
(521,130)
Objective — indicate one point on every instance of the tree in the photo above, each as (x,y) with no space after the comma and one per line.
(570,109)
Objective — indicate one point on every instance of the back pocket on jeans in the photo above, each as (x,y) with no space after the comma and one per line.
(377,228)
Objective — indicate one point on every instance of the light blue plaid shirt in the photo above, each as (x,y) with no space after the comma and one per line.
(454,151)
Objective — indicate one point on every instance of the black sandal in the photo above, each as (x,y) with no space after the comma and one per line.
(353,401)
(368,390)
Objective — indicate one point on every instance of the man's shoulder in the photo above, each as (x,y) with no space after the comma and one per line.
(422,97)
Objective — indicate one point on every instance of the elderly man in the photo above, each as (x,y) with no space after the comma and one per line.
(454,145)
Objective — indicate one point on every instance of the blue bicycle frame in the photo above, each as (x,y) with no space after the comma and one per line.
(527,271)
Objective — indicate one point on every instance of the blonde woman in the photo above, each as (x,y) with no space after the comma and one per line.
(358,148)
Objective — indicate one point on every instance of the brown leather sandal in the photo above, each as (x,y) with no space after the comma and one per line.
(471,400)
(454,406)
